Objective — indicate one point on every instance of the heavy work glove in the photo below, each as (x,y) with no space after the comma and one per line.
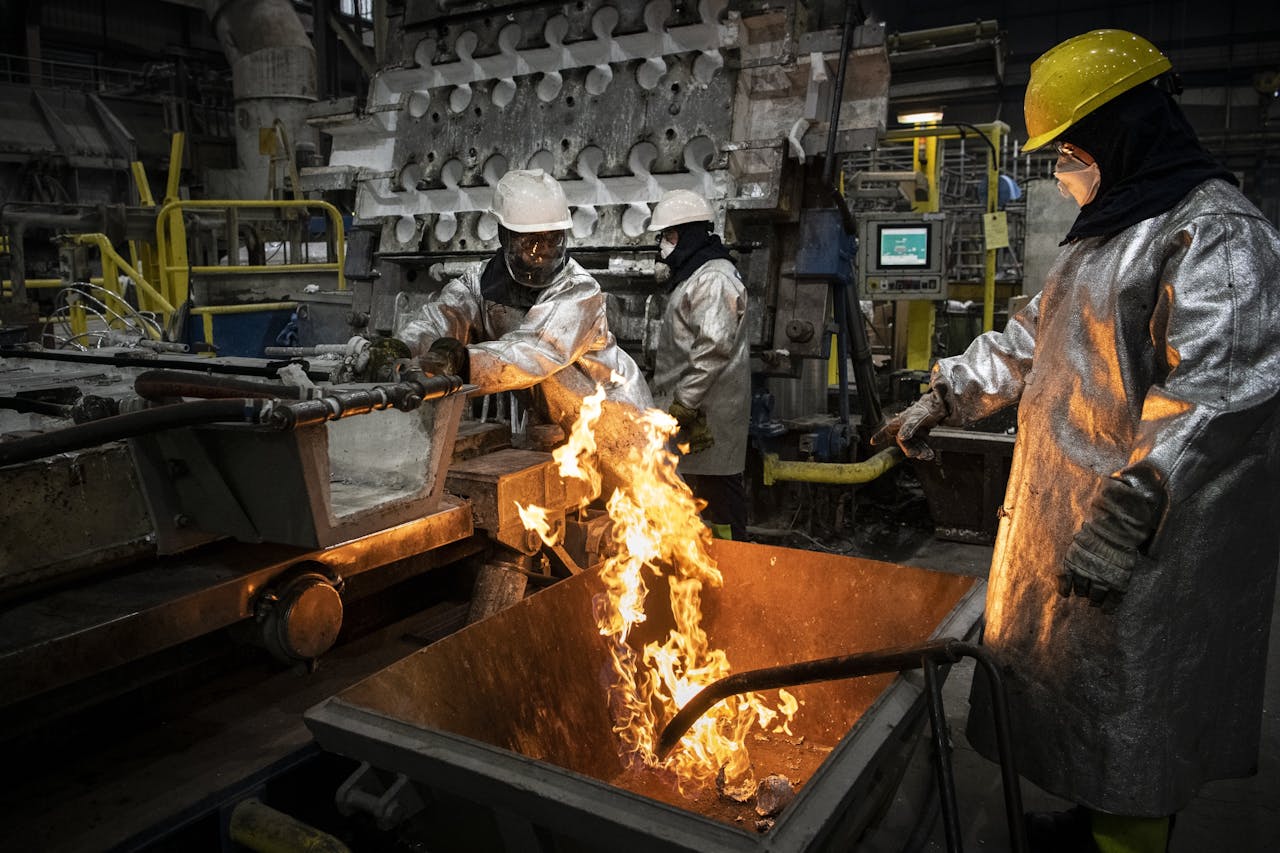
(693,427)
(1099,564)
(446,357)
(910,426)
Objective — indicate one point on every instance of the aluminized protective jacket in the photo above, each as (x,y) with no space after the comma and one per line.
(1151,356)
(561,348)
(703,360)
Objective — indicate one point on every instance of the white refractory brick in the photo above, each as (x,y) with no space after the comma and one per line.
(388,187)
(377,198)
(707,37)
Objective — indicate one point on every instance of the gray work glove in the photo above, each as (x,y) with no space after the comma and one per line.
(910,426)
(446,357)
(693,427)
(1099,563)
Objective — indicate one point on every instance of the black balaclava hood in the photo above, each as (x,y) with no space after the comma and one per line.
(497,285)
(696,245)
(1148,156)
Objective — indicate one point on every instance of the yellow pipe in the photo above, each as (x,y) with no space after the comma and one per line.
(993,203)
(138,257)
(261,268)
(248,308)
(265,830)
(175,166)
(839,473)
(141,258)
(920,312)
(171,251)
(144,186)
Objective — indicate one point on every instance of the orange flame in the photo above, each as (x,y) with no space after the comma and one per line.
(535,518)
(575,455)
(657,531)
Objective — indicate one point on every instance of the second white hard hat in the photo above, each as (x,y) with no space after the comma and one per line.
(677,207)
(528,200)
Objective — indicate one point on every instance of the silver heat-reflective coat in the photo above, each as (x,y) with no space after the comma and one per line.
(1153,356)
(561,348)
(703,360)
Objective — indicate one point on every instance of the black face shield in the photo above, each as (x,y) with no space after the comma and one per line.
(533,258)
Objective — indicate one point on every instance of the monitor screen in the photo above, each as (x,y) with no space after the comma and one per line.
(903,246)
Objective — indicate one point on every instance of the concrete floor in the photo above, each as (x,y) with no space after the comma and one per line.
(1236,815)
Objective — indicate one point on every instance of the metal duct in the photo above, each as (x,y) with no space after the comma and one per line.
(273,74)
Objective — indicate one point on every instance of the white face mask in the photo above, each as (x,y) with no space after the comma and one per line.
(665,248)
(1076,180)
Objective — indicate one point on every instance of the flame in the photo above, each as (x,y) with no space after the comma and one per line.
(657,533)
(575,454)
(535,518)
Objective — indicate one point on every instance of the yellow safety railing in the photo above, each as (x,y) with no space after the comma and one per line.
(176,269)
(162,271)
(149,298)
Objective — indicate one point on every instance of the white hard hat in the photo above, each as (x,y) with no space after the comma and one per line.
(677,207)
(529,200)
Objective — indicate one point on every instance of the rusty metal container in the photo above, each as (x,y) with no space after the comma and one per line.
(313,487)
(511,713)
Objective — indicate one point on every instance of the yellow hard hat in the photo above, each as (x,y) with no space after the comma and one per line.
(1079,75)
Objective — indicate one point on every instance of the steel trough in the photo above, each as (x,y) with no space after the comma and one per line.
(511,713)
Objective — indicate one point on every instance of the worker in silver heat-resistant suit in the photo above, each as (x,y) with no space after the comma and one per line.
(702,370)
(1134,573)
(534,318)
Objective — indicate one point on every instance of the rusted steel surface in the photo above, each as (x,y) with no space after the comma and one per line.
(533,681)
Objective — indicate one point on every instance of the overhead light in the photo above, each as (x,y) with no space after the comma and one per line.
(920,117)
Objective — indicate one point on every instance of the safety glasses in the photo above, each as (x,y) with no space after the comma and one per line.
(1070,152)
(675,235)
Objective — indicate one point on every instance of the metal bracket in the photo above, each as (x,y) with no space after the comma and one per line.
(390,805)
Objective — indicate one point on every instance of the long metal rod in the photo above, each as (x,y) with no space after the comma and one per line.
(852,335)
(1004,746)
(943,770)
(898,659)
(837,95)
(282,415)
(794,674)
